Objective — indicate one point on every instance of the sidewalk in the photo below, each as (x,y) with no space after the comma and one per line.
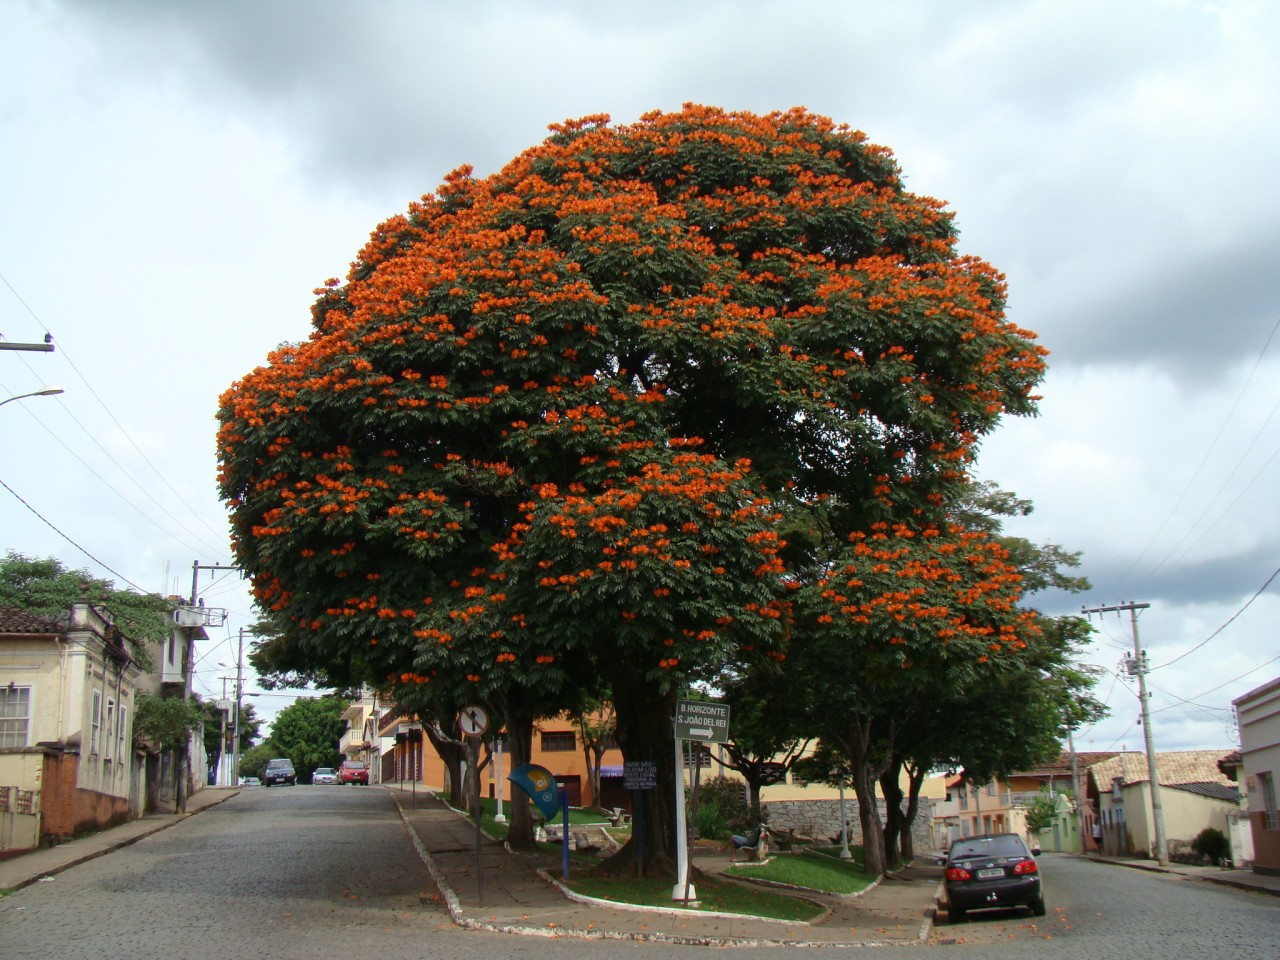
(512,893)
(1242,879)
(17,872)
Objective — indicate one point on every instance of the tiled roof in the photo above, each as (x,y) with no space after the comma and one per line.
(1061,767)
(1216,791)
(16,621)
(1175,767)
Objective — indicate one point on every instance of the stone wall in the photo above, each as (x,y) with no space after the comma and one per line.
(820,819)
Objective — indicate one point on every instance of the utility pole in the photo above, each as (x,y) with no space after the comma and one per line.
(1138,667)
(235,731)
(188,671)
(1075,788)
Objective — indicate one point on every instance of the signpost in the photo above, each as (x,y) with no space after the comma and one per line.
(694,720)
(639,777)
(474,721)
(702,720)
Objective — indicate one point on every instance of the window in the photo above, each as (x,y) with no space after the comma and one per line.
(122,727)
(559,742)
(95,721)
(15,716)
(110,727)
(1268,788)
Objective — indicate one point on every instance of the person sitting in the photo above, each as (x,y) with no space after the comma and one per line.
(750,839)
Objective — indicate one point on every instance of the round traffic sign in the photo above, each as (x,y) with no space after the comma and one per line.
(473,720)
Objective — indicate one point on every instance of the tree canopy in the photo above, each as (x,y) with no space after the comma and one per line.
(308,732)
(587,421)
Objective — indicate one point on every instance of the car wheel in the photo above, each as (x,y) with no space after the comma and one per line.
(1038,908)
(955,914)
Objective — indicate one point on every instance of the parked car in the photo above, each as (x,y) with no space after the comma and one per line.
(992,870)
(353,771)
(279,771)
(250,782)
(324,775)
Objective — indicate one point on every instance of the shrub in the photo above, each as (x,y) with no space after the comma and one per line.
(722,808)
(1212,843)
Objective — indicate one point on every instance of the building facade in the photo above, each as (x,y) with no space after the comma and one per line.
(1258,716)
(68,689)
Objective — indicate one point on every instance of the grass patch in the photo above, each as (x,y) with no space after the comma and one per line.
(714,895)
(812,870)
(835,852)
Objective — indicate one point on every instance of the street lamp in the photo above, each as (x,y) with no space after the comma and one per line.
(48,391)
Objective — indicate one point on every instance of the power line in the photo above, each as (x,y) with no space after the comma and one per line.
(1227,683)
(1200,466)
(73,543)
(128,436)
(1228,623)
(207,547)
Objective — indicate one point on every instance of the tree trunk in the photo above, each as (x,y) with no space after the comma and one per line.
(520,835)
(916,774)
(644,732)
(864,788)
(450,753)
(863,776)
(891,790)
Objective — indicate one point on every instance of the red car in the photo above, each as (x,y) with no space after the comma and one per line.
(353,771)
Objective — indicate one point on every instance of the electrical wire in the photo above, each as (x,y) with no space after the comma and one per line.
(128,436)
(51,526)
(205,549)
(1226,683)
(1230,620)
(1200,466)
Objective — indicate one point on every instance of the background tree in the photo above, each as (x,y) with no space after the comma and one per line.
(1041,812)
(165,722)
(253,762)
(219,729)
(547,432)
(597,729)
(48,589)
(308,731)
(767,709)
(1007,720)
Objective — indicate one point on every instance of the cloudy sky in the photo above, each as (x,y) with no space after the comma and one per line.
(176,178)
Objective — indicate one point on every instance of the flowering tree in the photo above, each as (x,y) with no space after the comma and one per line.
(550,430)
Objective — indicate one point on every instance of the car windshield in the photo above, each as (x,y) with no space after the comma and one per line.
(1002,846)
(354,765)
(324,770)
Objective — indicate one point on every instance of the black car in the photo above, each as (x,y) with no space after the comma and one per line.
(992,870)
(279,771)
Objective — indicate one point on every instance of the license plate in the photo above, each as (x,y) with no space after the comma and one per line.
(996,872)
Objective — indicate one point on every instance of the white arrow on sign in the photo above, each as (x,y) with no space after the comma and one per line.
(705,734)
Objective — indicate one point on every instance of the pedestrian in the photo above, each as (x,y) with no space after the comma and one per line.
(750,839)
(1097,836)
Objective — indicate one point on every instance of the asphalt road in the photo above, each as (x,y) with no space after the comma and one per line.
(1103,911)
(320,872)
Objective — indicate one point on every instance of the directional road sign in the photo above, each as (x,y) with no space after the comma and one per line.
(702,720)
